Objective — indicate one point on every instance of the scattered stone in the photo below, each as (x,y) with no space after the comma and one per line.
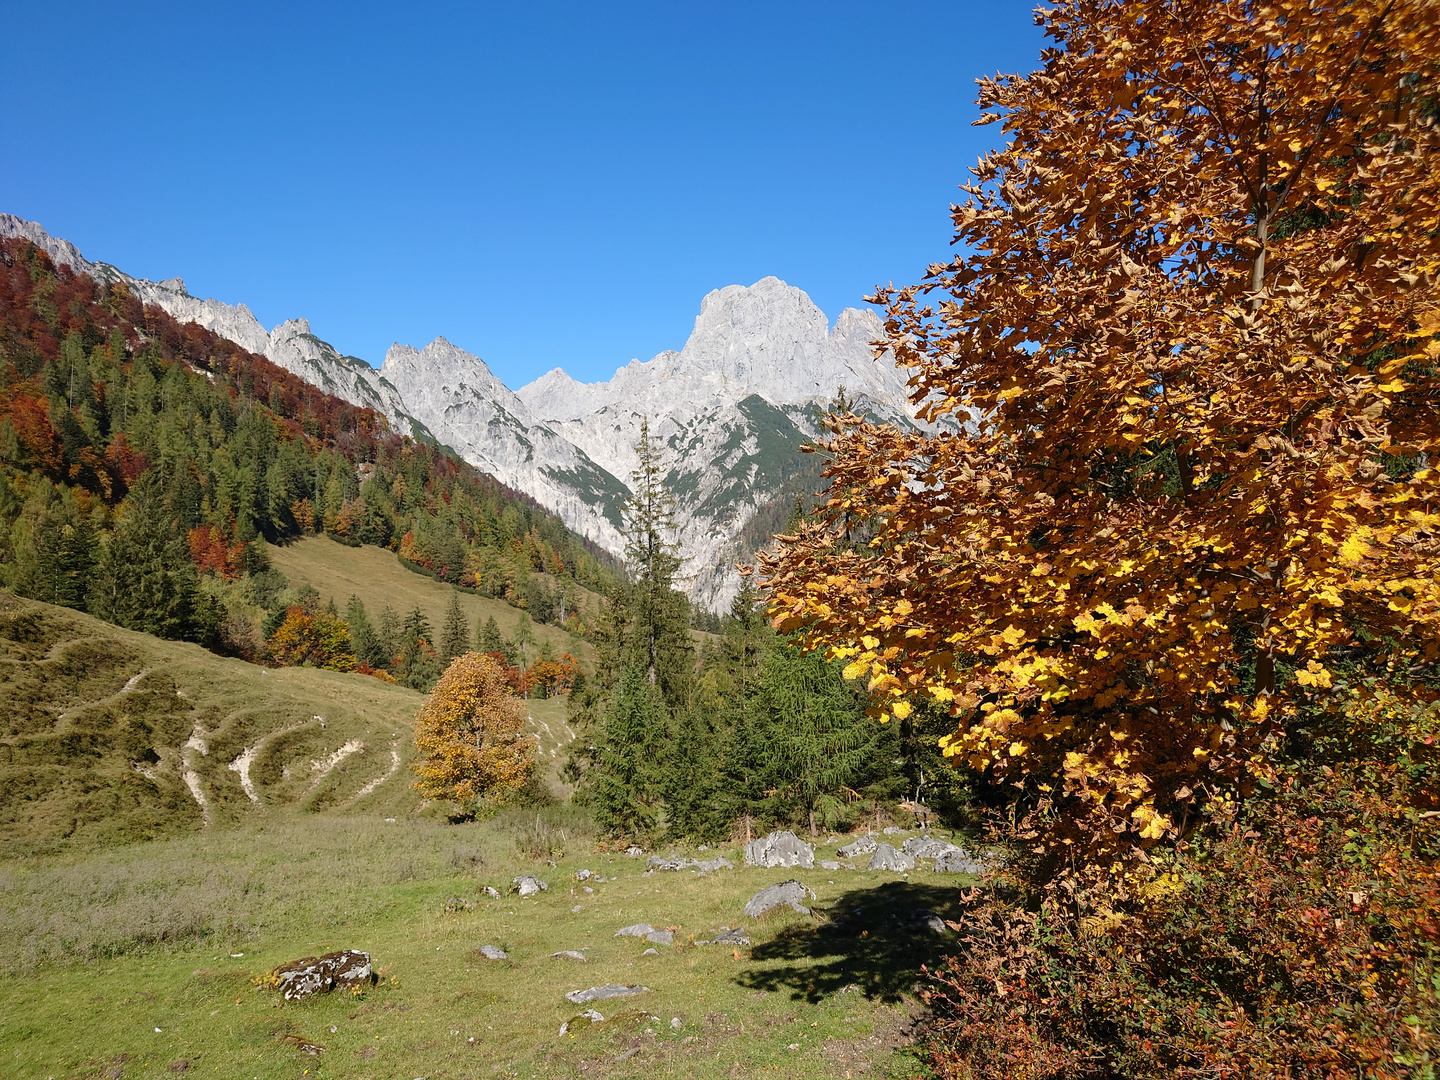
(675,1023)
(639,929)
(634,852)
(780,848)
(661,937)
(576,910)
(491,892)
(526,885)
(893,830)
(651,952)
(863,846)
(829,864)
(887,858)
(586,888)
(601,993)
(727,936)
(457,904)
(493,952)
(959,861)
(320,974)
(583,875)
(932,922)
(773,896)
(679,862)
(593,1015)
(927,847)
(569,954)
(709,866)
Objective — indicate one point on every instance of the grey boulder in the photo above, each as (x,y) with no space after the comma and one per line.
(927,847)
(639,929)
(780,848)
(863,846)
(661,937)
(526,885)
(772,896)
(709,866)
(887,858)
(601,993)
(493,952)
(678,862)
(959,861)
(568,954)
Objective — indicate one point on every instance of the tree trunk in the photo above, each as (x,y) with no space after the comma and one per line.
(813,833)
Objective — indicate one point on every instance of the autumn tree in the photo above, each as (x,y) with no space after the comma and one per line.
(468,734)
(1187,352)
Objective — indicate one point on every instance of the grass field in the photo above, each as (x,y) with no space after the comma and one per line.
(124,902)
(376,576)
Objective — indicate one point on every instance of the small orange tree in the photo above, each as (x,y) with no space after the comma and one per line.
(468,734)
(1191,339)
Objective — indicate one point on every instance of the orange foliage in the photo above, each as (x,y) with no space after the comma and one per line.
(468,734)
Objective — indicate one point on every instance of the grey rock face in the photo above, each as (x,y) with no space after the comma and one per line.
(893,830)
(321,974)
(959,861)
(526,885)
(661,937)
(780,848)
(493,952)
(659,862)
(601,993)
(887,858)
(863,846)
(786,892)
(926,847)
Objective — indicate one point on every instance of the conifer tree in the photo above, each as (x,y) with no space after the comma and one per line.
(653,561)
(363,636)
(416,666)
(626,782)
(488,638)
(823,742)
(455,634)
(388,635)
(145,579)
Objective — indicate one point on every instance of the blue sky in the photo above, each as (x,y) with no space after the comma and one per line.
(543,184)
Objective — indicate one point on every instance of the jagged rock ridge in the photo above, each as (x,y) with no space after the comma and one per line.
(731,408)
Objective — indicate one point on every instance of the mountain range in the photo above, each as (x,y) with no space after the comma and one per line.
(730,409)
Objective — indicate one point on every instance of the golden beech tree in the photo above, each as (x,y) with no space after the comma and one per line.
(468,734)
(1189,349)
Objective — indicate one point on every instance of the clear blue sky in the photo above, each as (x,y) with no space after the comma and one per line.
(543,184)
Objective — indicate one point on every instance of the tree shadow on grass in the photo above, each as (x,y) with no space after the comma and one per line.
(872,939)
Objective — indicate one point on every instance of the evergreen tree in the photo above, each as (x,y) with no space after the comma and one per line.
(823,742)
(145,579)
(653,560)
(417,666)
(488,638)
(388,635)
(455,634)
(522,643)
(364,638)
(53,548)
(627,778)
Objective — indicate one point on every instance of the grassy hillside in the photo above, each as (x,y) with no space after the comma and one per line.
(143,891)
(378,578)
(109,736)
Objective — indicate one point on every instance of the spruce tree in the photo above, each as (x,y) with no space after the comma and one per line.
(416,666)
(627,778)
(823,742)
(387,634)
(145,579)
(488,638)
(659,632)
(455,633)
(364,638)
